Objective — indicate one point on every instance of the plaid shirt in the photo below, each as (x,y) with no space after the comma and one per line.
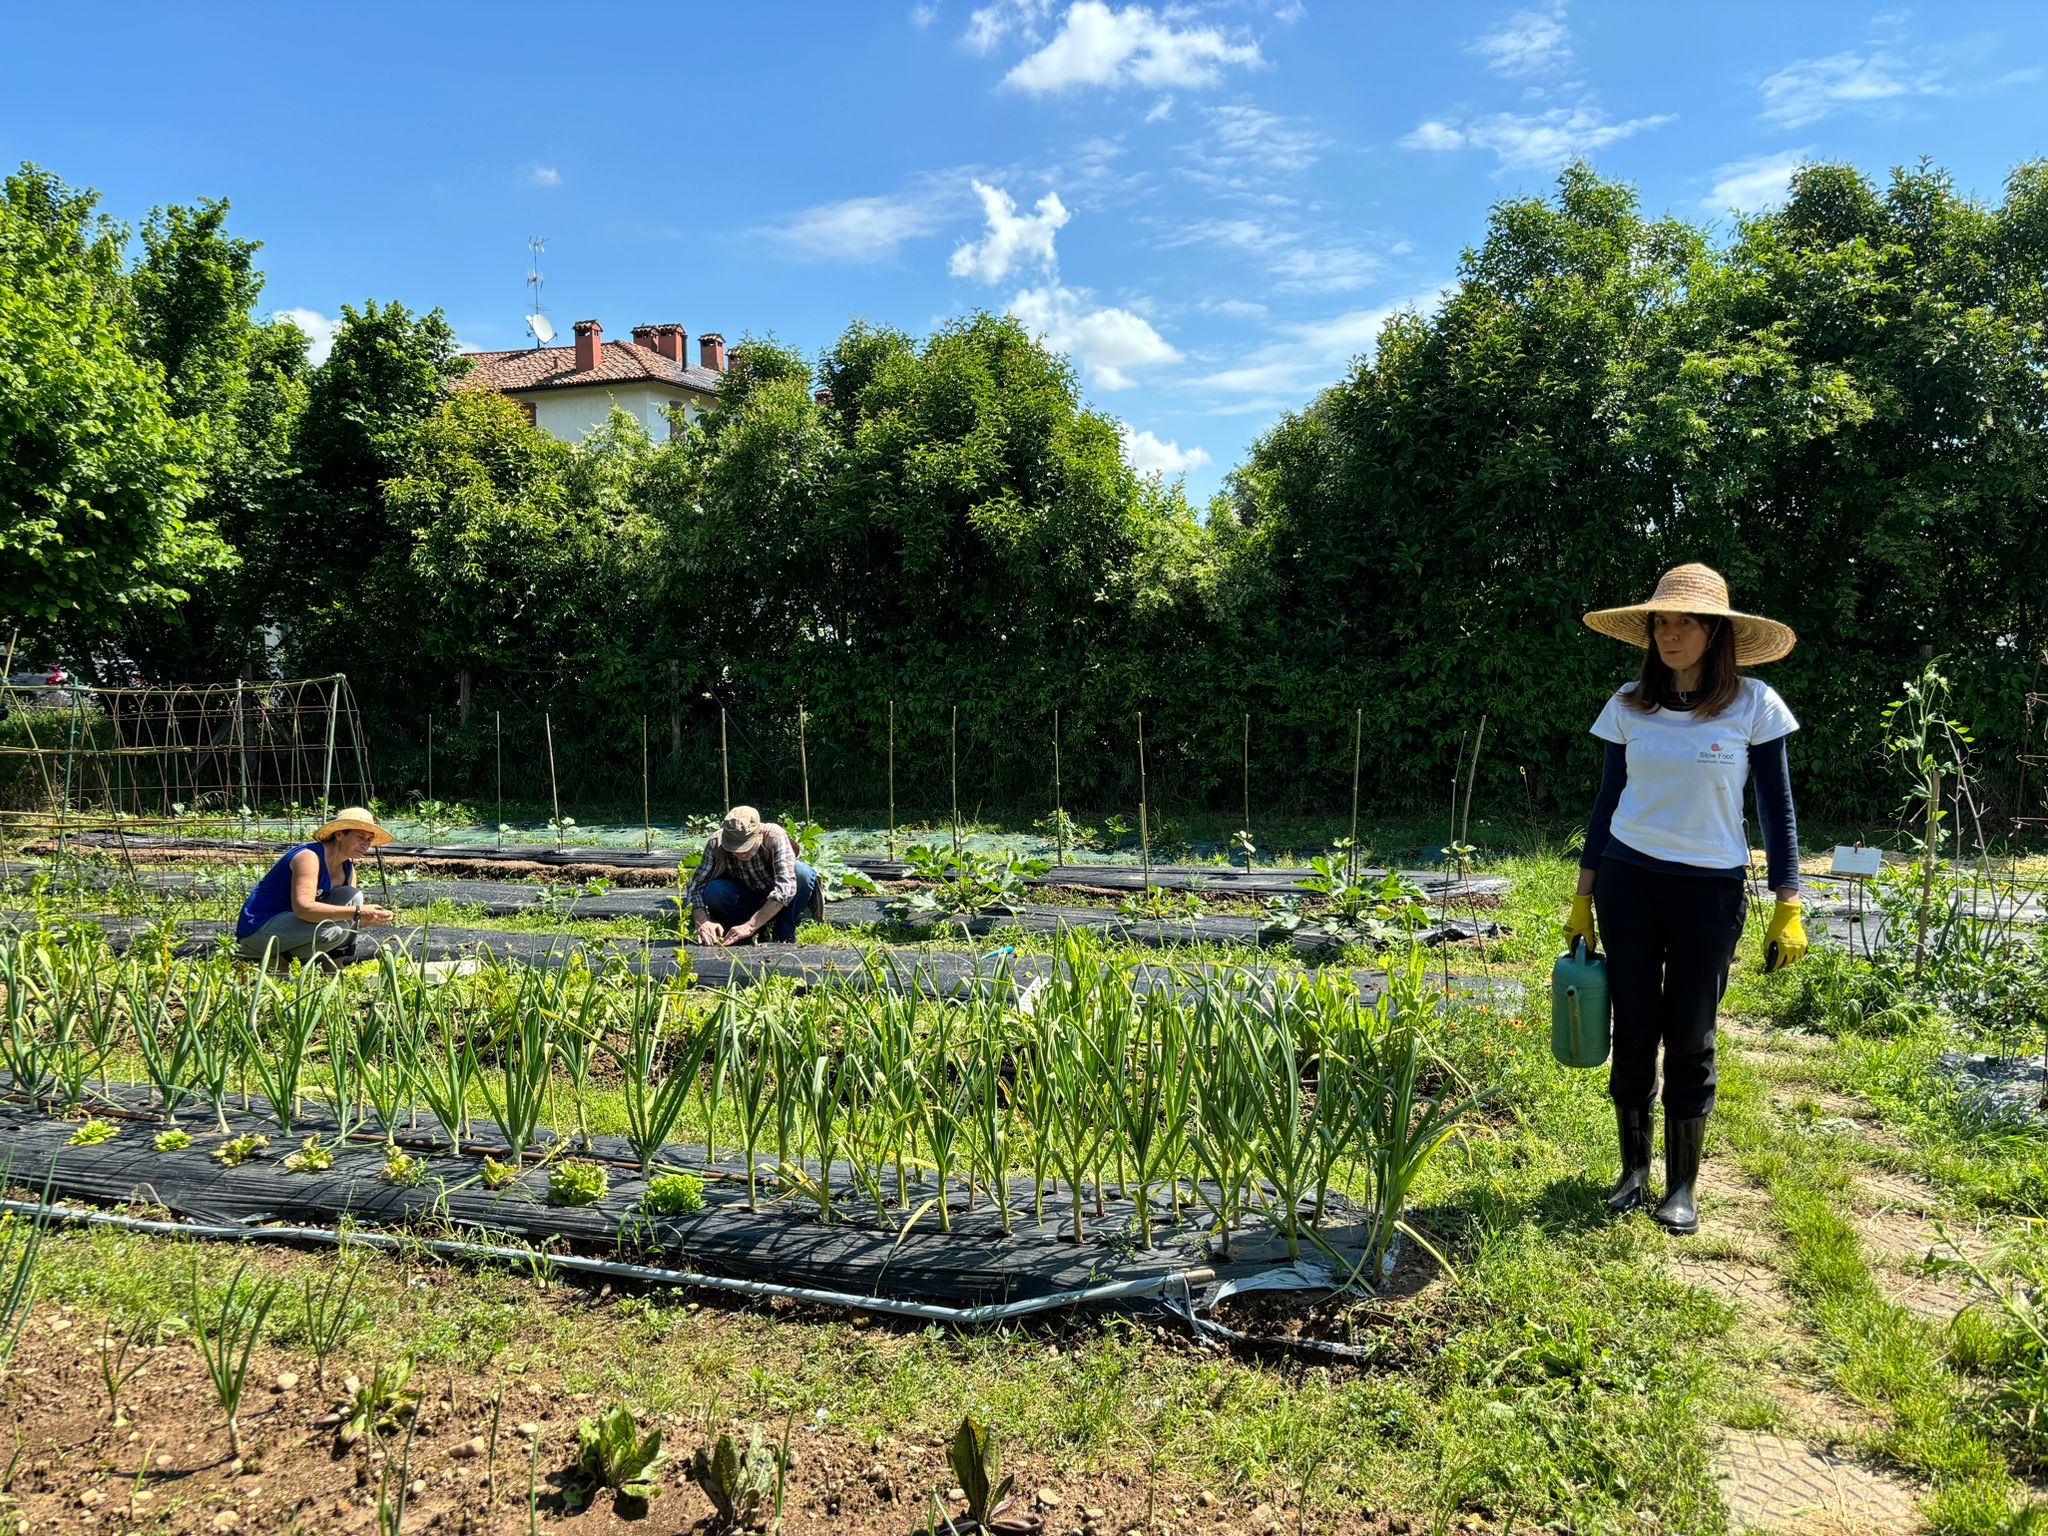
(771,867)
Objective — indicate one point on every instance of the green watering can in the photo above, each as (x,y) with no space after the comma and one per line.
(1579,1028)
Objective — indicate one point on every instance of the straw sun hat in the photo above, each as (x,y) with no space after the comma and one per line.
(354,818)
(1701,591)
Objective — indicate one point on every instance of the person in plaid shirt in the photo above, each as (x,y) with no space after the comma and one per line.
(749,879)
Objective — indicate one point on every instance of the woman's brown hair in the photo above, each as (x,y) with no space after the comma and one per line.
(1719,681)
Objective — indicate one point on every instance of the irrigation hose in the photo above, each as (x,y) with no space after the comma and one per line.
(645,1274)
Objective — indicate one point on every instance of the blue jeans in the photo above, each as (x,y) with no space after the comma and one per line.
(730,902)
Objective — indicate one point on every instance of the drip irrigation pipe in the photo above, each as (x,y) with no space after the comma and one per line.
(961,1317)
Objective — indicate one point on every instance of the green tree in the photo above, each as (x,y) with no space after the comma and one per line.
(196,288)
(98,476)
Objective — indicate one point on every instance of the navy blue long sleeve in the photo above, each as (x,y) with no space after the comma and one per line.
(1777,819)
(1613,779)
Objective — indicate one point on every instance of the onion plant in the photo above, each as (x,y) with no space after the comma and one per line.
(517,1091)
(752,1056)
(1226,1103)
(166,1047)
(655,1093)
(1151,1095)
(277,1056)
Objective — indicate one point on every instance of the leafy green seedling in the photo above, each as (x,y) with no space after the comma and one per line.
(173,1140)
(314,1156)
(610,1453)
(739,1487)
(578,1182)
(237,1151)
(497,1175)
(977,1461)
(402,1168)
(378,1406)
(674,1194)
(92,1133)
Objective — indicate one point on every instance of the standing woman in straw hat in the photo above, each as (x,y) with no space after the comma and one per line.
(307,905)
(1666,859)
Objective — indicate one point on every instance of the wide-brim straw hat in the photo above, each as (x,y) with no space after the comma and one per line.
(1699,590)
(354,818)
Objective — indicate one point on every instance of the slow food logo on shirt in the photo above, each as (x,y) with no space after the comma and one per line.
(1716,753)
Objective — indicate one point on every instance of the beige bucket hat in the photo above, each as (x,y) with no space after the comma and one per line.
(740,830)
(354,818)
(1700,590)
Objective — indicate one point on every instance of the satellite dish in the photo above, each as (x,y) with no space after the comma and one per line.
(543,332)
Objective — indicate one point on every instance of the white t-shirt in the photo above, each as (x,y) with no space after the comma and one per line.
(1683,800)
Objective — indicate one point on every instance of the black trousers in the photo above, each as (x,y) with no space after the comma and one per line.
(1669,939)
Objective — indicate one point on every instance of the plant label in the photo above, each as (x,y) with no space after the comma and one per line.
(1858,863)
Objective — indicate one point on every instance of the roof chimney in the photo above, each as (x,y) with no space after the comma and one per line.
(672,342)
(589,345)
(643,336)
(711,351)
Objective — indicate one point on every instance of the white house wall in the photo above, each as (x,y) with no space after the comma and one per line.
(573,414)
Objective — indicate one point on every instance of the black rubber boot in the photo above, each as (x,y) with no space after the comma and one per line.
(1633,1188)
(1683,1140)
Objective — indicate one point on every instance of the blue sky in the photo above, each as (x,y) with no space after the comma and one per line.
(1210,206)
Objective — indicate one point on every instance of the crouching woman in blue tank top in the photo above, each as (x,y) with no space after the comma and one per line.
(1666,860)
(307,905)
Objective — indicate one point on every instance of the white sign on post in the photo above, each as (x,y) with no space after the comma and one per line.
(1858,862)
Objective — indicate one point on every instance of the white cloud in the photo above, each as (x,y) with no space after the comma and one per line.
(1149,454)
(1012,238)
(1297,263)
(1249,136)
(1527,43)
(1810,89)
(1235,309)
(318,328)
(1097,46)
(1747,185)
(1108,343)
(1162,110)
(1306,357)
(1532,140)
(923,15)
(542,175)
(988,25)
(858,228)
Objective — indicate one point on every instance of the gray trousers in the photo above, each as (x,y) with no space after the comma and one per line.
(290,937)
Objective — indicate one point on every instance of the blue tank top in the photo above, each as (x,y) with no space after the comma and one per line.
(273,893)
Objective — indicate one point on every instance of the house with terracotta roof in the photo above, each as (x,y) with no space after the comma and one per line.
(569,391)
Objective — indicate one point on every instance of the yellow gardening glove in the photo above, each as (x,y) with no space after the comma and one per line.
(1785,939)
(1580,926)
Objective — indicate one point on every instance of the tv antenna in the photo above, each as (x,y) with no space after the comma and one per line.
(536,319)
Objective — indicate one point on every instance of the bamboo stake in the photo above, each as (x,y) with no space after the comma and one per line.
(1247,785)
(646,793)
(1357,749)
(724,757)
(1059,805)
(1144,829)
(430,754)
(803,757)
(1471,776)
(956,782)
(554,790)
(892,778)
(498,756)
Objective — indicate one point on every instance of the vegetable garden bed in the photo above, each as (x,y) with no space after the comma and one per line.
(1119,877)
(499,898)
